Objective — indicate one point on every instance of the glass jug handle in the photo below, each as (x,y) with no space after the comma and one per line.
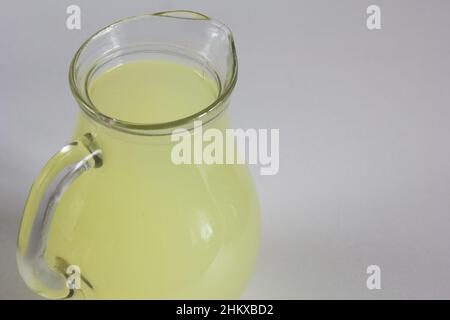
(61,170)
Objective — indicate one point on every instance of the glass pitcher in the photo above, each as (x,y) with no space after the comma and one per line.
(111,216)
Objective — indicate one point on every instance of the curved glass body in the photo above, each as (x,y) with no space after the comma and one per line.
(111,215)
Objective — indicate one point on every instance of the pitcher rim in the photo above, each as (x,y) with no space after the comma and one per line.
(154,128)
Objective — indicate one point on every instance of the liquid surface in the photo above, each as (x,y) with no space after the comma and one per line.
(152,91)
(140,226)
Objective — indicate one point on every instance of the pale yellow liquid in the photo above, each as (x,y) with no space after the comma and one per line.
(140,226)
(152,91)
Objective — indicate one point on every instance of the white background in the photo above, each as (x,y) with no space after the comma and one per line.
(364,126)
